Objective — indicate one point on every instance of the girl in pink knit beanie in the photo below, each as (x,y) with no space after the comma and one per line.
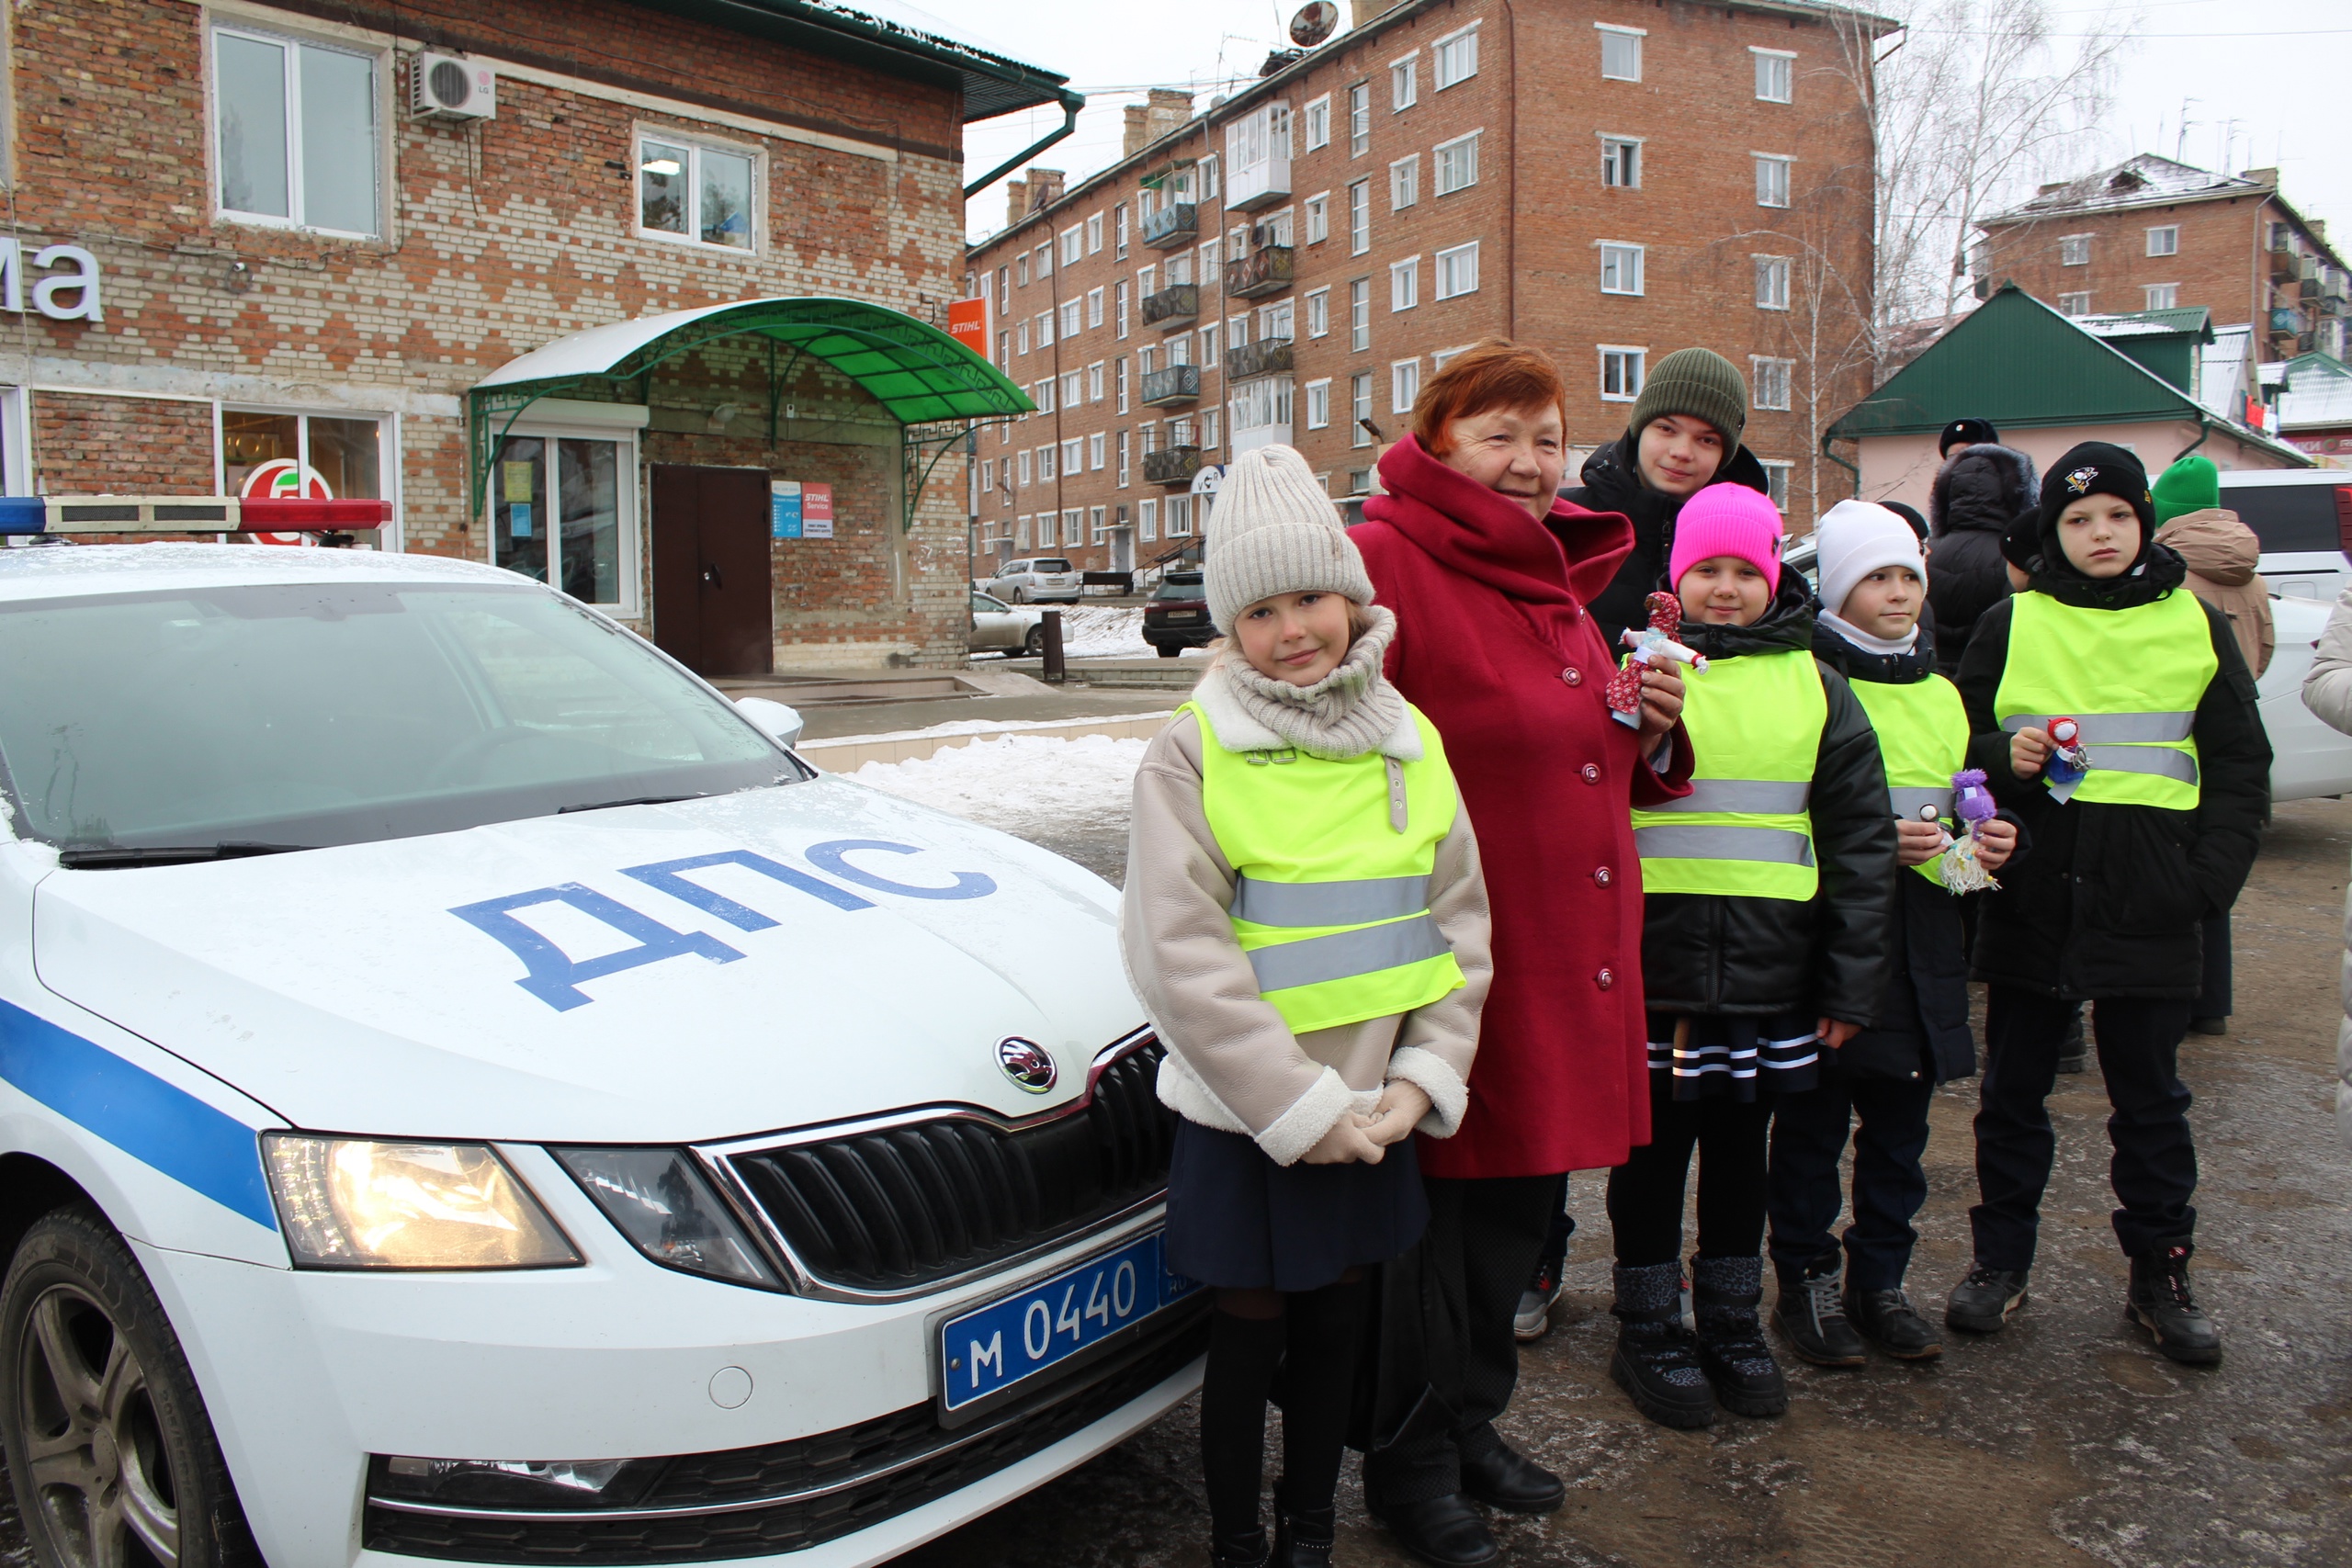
(1726,565)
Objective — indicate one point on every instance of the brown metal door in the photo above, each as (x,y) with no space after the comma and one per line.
(713,605)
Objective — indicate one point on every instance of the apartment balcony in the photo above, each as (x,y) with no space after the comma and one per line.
(1178,304)
(1271,357)
(1248,438)
(1268,270)
(1248,187)
(1174,384)
(2285,266)
(1173,226)
(1172,465)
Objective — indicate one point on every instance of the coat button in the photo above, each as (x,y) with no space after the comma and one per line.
(1591,772)
(1572,675)
(1604,979)
(1601,877)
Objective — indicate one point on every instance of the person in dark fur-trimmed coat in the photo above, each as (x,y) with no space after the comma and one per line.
(1977,494)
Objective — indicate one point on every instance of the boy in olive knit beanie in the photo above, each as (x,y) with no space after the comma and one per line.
(1700,383)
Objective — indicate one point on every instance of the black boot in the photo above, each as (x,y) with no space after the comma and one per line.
(1303,1537)
(1811,1317)
(1444,1532)
(1655,1362)
(1505,1478)
(1887,1319)
(1242,1551)
(2160,1302)
(1982,1303)
(1724,1294)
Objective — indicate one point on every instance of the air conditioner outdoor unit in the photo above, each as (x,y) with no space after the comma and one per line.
(448,86)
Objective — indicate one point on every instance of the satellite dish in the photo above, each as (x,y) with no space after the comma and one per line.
(1314,23)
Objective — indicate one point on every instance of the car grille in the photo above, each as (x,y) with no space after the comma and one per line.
(708,1507)
(907,1206)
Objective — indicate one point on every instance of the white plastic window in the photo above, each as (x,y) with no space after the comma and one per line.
(1457,271)
(1620,52)
(295,133)
(1620,269)
(1457,164)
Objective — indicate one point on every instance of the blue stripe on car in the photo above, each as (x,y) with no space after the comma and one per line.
(155,1122)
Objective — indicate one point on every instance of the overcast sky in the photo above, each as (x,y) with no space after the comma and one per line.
(2262,79)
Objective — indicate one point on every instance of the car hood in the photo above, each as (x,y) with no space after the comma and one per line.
(829,951)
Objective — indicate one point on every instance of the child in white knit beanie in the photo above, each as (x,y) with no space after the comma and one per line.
(1305,924)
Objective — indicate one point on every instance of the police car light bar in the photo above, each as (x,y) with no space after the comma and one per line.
(187,515)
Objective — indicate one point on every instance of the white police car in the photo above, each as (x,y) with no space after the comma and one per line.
(468,1093)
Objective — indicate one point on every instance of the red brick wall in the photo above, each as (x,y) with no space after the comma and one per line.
(2221,265)
(1538,210)
(502,236)
(90,446)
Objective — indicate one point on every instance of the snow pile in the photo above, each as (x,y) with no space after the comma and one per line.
(1104,631)
(1039,788)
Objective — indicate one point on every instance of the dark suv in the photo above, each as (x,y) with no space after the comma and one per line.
(1178,617)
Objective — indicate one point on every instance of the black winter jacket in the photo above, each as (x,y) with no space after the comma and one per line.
(2111,903)
(1974,499)
(1921,1028)
(1612,482)
(1715,953)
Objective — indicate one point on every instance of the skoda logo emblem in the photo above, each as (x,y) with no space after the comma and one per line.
(1026,1064)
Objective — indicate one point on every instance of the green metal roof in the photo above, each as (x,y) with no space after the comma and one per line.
(2015,362)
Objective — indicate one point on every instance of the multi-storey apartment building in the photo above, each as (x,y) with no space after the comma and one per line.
(367,248)
(2152,234)
(1611,179)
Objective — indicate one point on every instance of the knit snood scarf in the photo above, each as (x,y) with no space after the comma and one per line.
(1352,710)
(1864,640)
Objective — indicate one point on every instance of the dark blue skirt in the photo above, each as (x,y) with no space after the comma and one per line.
(1239,1221)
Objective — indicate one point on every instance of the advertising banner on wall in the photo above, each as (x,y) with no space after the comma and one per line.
(783,510)
(967,323)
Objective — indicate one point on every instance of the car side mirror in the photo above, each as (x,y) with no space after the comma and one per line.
(781,722)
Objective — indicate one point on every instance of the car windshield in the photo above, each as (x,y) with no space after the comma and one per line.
(294,716)
(2296,517)
(1186,587)
(1052,566)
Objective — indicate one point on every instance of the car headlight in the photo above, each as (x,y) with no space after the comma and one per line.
(660,1200)
(367,1204)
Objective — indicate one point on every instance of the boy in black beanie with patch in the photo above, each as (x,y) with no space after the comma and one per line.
(2112,711)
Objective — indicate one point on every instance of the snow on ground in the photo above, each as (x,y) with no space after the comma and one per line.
(959,726)
(1108,631)
(1069,795)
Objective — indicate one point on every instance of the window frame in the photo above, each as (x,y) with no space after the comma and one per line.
(1778,473)
(1358,118)
(2171,292)
(1318,397)
(1787,370)
(1360,314)
(1317,126)
(1404,374)
(1405,271)
(1359,215)
(1608,31)
(2074,249)
(1786,59)
(1404,82)
(1786,184)
(1452,259)
(1451,150)
(1454,43)
(2172,242)
(1773,278)
(2081,305)
(630,566)
(382,142)
(1623,248)
(1634,356)
(1318,218)
(1093,233)
(1318,311)
(1404,182)
(1359,408)
(1632,145)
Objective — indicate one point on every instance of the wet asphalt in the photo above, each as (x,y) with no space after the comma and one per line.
(2064,1440)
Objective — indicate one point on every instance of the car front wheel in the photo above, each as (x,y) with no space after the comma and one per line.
(1035,644)
(110,1453)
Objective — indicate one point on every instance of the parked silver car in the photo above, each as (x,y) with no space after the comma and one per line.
(999,627)
(1035,580)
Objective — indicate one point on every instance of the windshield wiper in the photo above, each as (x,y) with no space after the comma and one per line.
(632,800)
(106,857)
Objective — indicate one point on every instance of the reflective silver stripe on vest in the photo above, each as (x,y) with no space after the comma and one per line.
(2161,761)
(1905,802)
(1329,903)
(1777,846)
(1748,797)
(2115,729)
(1345,954)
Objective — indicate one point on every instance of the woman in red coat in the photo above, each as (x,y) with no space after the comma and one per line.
(1488,574)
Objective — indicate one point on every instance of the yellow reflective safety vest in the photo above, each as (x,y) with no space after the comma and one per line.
(1923,739)
(1331,860)
(1755,725)
(2132,677)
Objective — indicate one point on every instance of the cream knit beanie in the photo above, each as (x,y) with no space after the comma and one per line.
(1858,537)
(1273,530)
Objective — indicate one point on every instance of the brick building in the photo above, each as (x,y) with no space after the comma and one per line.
(287,243)
(2152,234)
(1609,179)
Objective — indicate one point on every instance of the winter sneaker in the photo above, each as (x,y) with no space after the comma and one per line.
(1982,1303)
(1724,1294)
(2161,1303)
(1533,1318)
(1887,1319)
(1655,1361)
(1812,1318)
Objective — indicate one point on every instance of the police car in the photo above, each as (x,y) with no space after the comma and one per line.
(470,1093)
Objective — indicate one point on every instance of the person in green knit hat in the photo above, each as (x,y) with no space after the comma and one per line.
(2221,554)
(1684,436)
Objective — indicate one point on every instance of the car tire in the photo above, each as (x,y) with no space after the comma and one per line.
(1019,595)
(86,1351)
(1034,645)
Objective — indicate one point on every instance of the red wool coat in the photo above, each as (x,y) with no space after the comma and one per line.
(1495,646)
